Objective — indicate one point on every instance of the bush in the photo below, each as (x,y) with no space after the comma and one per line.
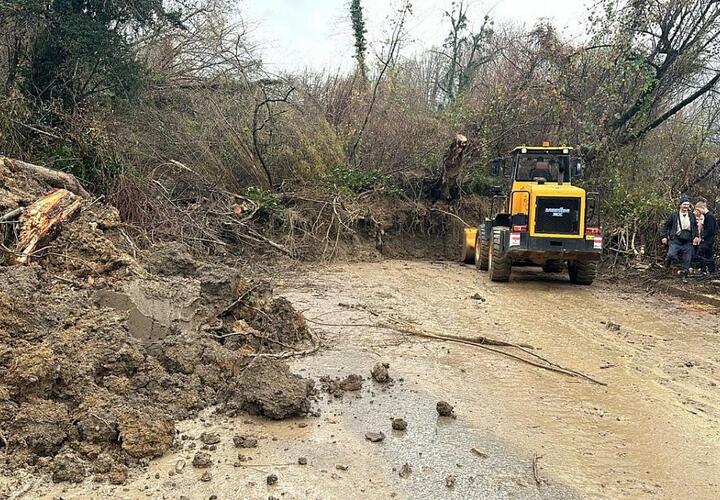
(349,180)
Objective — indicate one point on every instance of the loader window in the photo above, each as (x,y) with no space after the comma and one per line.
(534,167)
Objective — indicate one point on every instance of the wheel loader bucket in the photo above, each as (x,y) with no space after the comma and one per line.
(467,254)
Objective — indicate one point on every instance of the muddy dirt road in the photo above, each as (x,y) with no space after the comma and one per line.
(521,432)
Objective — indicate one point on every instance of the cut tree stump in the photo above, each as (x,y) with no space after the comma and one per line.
(42,221)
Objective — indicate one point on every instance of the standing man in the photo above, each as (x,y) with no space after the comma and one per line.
(680,233)
(707,239)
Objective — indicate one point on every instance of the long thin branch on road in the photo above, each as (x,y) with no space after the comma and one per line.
(553,367)
(480,342)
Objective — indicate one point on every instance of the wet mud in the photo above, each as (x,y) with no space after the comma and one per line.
(519,432)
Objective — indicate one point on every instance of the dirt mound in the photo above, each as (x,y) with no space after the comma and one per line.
(100,352)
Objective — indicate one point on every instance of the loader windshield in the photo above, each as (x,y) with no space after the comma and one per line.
(536,167)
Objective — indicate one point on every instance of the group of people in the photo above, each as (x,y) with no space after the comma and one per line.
(690,236)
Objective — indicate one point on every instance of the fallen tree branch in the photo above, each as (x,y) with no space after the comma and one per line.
(54,178)
(238,300)
(451,215)
(538,480)
(479,342)
(290,354)
(11,214)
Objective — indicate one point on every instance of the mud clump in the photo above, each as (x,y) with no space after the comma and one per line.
(380,373)
(102,352)
(399,424)
(374,437)
(68,467)
(337,386)
(445,409)
(245,441)
(202,460)
(209,438)
(270,390)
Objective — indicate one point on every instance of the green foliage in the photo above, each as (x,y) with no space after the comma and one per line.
(480,182)
(94,169)
(350,180)
(359,30)
(269,203)
(84,48)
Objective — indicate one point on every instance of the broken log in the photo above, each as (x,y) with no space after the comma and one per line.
(42,221)
(53,178)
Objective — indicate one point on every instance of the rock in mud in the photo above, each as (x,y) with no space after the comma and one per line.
(337,386)
(206,477)
(146,434)
(445,409)
(352,382)
(399,424)
(202,460)
(405,470)
(271,390)
(271,479)
(68,467)
(209,438)
(244,441)
(374,437)
(450,481)
(613,327)
(302,461)
(380,373)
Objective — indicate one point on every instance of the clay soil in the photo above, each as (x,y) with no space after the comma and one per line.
(104,347)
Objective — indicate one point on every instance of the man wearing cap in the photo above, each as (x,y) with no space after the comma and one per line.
(680,233)
(707,238)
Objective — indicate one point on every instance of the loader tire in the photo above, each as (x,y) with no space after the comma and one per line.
(553,266)
(467,254)
(500,265)
(482,250)
(582,273)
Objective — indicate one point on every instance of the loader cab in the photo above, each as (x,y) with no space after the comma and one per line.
(540,165)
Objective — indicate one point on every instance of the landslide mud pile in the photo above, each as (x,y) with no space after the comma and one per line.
(104,346)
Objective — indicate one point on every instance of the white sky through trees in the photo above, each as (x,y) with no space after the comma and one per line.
(316,34)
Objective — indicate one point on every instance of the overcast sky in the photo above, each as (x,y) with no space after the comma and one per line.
(316,34)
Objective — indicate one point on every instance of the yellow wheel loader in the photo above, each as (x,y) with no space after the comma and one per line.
(538,218)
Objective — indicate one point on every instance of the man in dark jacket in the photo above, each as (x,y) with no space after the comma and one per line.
(680,232)
(707,239)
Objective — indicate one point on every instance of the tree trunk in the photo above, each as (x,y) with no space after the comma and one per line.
(42,220)
(451,167)
(54,178)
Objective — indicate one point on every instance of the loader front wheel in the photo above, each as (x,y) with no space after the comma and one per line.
(500,265)
(482,250)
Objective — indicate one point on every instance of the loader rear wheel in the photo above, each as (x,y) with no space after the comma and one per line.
(467,254)
(500,265)
(482,250)
(553,266)
(582,273)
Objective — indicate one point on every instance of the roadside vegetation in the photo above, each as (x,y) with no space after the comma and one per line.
(166,109)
